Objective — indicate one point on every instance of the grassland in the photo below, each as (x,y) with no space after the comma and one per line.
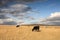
(10,32)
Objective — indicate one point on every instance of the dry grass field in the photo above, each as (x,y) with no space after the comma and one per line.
(10,32)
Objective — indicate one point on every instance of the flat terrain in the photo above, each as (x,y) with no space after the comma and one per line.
(10,32)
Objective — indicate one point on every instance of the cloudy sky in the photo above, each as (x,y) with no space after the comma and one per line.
(30,12)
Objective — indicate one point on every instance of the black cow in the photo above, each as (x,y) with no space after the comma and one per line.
(17,25)
(36,28)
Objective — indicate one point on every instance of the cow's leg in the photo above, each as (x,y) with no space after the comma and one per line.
(38,29)
(33,29)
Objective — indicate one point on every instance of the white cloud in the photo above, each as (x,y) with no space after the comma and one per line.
(15,13)
(7,21)
(56,14)
(53,19)
(16,8)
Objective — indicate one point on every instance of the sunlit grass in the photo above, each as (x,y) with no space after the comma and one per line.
(11,32)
